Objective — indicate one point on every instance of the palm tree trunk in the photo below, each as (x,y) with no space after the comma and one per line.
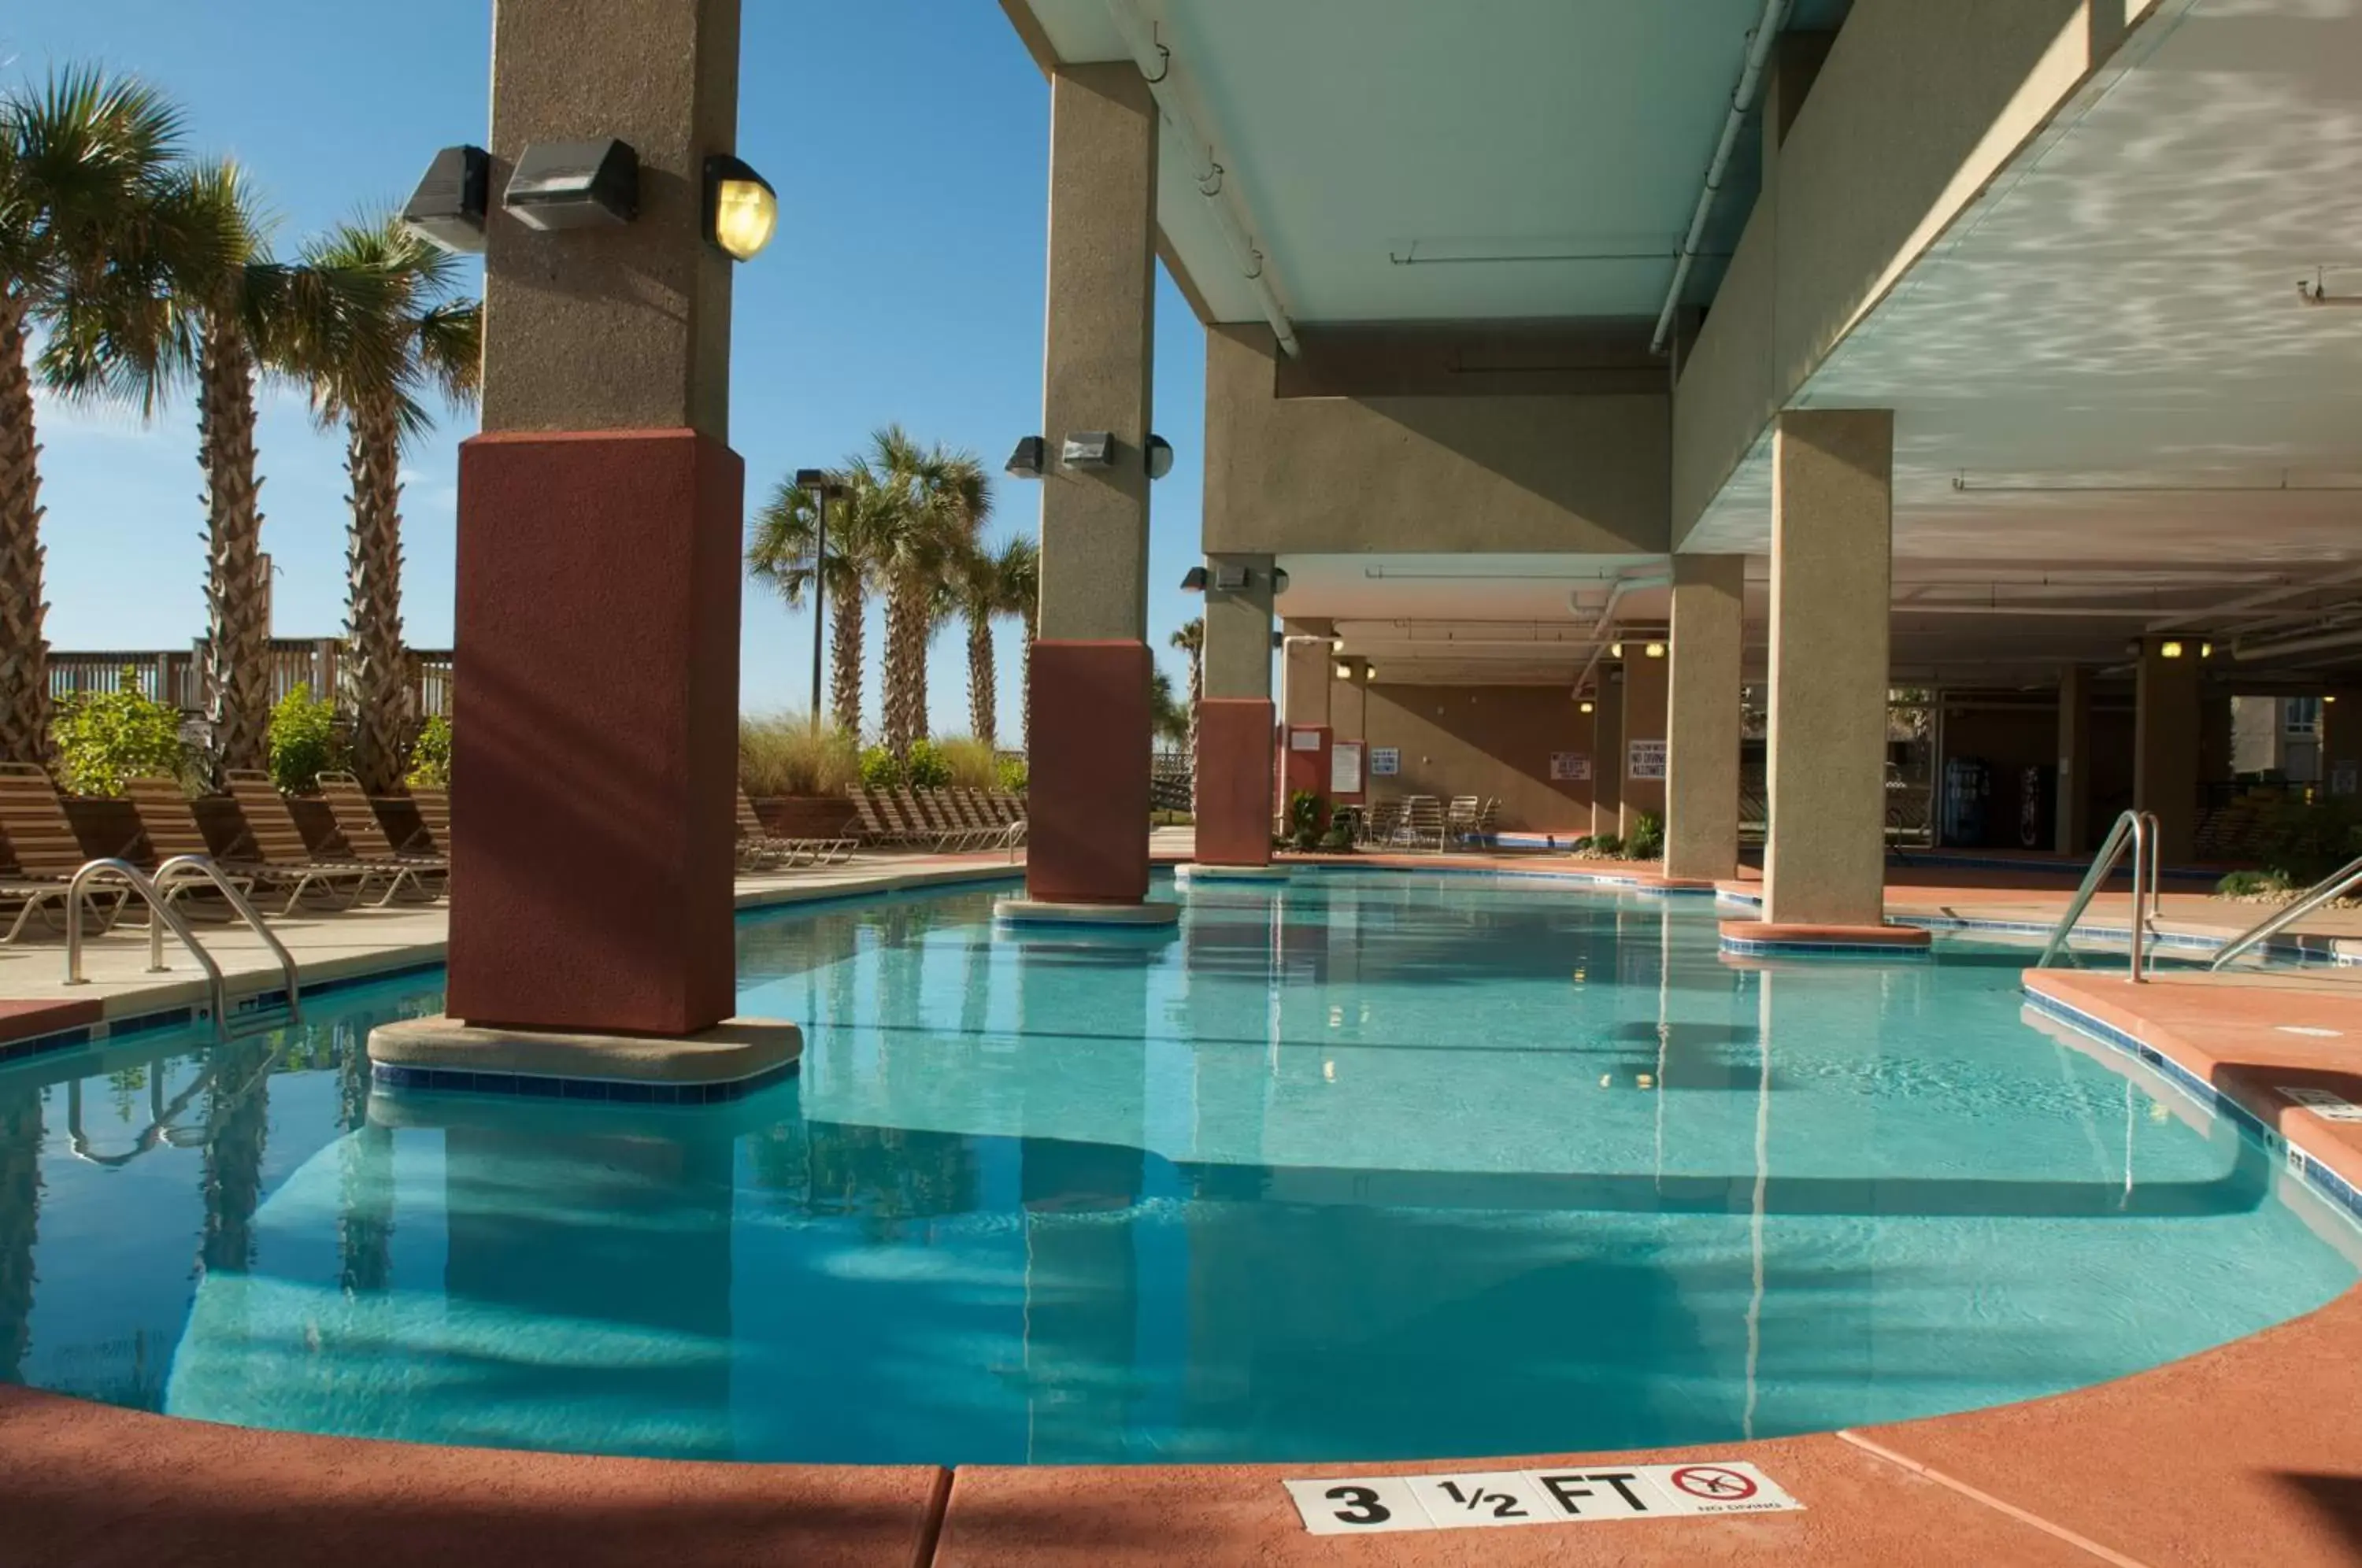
(905,666)
(236,651)
(983,701)
(1197,696)
(377,681)
(1025,686)
(24,656)
(845,652)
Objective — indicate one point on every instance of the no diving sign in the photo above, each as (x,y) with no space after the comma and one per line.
(1493,1499)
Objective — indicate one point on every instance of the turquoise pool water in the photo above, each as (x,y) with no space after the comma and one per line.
(1373,1166)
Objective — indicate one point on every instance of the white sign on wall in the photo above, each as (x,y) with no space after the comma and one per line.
(1345,768)
(1386,762)
(1575,766)
(1646,760)
(1304,740)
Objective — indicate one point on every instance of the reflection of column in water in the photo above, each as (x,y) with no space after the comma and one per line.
(20,1201)
(626,1230)
(1081,1275)
(1755,1206)
(237,1122)
(1664,1034)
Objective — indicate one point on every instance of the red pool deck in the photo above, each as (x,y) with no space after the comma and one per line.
(2247,1454)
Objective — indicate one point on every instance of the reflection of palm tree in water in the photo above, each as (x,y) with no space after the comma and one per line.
(237,1122)
(20,1199)
(365,1175)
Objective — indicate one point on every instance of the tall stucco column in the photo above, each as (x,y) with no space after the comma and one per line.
(1307,668)
(1702,718)
(598,575)
(1641,757)
(2341,741)
(1607,754)
(1089,839)
(1235,718)
(1832,535)
(2073,817)
(2165,742)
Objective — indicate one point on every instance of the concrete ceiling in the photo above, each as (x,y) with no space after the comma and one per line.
(1400,163)
(2105,363)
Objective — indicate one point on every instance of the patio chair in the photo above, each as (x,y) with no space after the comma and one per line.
(877,829)
(48,853)
(1460,820)
(279,845)
(1383,821)
(1423,822)
(170,825)
(368,841)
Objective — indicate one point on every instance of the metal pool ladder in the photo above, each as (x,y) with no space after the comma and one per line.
(2336,885)
(155,891)
(2136,831)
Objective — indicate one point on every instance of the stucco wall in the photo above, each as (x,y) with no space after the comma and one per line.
(1917,108)
(1316,475)
(1485,740)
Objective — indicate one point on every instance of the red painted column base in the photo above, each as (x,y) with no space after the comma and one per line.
(1086,790)
(1233,781)
(591,815)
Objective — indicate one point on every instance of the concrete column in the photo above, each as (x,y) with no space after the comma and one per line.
(1091,664)
(1305,732)
(1607,754)
(2165,743)
(1647,683)
(1235,721)
(1702,718)
(1832,532)
(2213,735)
(2073,817)
(597,575)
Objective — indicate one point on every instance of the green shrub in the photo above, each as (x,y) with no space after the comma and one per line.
(778,754)
(104,738)
(430,754)
(1305,819)
(924,767)
(1012,775)
(1647,840)
(1607,846)
(2251,885)
(2305,841)
(304,741)
(1339,839)
(881,769)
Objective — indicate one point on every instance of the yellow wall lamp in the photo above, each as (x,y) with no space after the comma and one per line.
(742,211)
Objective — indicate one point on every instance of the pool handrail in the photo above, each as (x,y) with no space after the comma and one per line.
(155,891)
(2335,886)
(2135,830)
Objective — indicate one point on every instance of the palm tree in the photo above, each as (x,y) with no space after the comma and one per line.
(779,551)
(85,161)
(1021,589)
(941,502)
(1191,640)
(413,336)
(982,581)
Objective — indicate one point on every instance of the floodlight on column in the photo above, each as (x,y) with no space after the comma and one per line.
(575,185)
(1194,581)
(1026,462)
(742,211)
(448,208)
(1087,449)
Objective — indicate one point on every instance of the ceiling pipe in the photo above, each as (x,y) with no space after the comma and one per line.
(1155,62)
(1742,98)
(2348,637)
(1602,627)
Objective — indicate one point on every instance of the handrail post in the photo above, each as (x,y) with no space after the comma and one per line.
(2144,845)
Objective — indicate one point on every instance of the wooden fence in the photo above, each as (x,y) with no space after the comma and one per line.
(177,677)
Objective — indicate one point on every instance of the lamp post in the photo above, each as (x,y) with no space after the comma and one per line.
(823,491)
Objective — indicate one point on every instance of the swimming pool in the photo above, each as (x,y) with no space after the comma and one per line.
(1371,1166)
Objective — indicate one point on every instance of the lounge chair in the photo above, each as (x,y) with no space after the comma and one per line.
(170,825)
(48,853)
(930,810)
(878,826)
(370,843)
(278,846)
(434,806)
(796,851)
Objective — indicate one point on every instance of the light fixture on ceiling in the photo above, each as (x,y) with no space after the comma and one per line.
(1344,670)
(742,211)
(575,185)
(2206,650)
(2170,648)
(1615,650)
(1336,645)
(1369,672)
(1587,707)
(1655,650)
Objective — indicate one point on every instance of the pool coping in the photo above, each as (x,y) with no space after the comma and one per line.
(2013,1483)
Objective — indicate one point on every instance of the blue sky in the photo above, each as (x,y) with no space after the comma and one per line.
(909,141)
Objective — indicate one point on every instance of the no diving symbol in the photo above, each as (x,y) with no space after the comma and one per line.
(1714,1483)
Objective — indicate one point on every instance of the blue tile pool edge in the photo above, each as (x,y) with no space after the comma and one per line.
(2334,1190)
(607,1092)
